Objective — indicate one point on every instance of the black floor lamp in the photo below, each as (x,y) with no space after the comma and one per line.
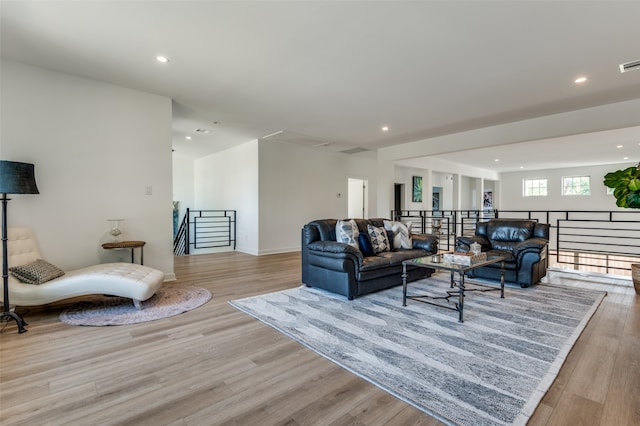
(15,178)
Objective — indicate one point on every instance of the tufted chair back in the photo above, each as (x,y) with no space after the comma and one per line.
(22,247)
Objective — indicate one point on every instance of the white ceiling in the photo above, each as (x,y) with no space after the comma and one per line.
(331,74)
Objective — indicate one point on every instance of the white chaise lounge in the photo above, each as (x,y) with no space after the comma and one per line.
(136,282)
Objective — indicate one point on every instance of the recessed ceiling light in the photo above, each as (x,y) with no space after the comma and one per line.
(162,59)
(188,137)
(619,146)
(580,80)
(522,167)
(385,128)
(625,158)
(496,160)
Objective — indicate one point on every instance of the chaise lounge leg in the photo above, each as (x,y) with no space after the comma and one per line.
(137,304)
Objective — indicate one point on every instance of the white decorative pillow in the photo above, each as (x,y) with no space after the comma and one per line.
(401,233)
(379,240)
(347,232)
(37,272)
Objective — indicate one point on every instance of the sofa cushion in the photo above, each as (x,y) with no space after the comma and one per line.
(506,230)
(347,232)
(379,240)
(365,244)
(390,258)
(401,233)
(37,272)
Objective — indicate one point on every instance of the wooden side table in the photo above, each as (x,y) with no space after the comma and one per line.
(127,244)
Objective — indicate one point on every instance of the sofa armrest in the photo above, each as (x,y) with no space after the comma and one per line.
(335,250)
(463,243)
(425,242)
(532,245)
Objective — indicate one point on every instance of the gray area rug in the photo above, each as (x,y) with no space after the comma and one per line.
(493,369)
(168,301)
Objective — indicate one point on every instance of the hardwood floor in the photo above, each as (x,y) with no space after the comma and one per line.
(216,365)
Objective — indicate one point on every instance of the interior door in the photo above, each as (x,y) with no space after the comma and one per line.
(357,198)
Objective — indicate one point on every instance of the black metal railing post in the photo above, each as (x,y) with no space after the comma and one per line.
(188,229)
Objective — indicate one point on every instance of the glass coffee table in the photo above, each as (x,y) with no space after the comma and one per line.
(453,268)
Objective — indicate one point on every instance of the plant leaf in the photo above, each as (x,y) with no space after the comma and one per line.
(634,184)
(633,200)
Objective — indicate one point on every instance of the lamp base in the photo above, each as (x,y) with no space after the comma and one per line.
(17,318)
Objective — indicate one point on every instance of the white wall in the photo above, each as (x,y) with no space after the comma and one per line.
(96,147)
(444,181)
(468,193)
(299,184)
(276,188)
(511,190)
(405,176)
(183,182)
(228,180)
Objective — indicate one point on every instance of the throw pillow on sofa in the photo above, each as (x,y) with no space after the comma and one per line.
(379,240)
(365,244)
(347,232)
(401,233)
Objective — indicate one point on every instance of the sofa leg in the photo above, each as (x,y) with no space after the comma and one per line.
(350,298)
(137,304)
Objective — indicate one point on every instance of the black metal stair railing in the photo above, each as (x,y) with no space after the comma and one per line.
(181,240)
(204,229)
(599,241)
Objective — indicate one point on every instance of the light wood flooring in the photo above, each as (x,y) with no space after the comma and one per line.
(216,365)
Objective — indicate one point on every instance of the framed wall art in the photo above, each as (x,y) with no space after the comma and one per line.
(487,200)
(417,189)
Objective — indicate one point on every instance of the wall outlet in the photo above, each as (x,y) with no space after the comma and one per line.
(148,190)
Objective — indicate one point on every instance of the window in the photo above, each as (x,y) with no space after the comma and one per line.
(534,188)
(576,185)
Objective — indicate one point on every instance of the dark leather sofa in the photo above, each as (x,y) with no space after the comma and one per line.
(343,269)
(523,241)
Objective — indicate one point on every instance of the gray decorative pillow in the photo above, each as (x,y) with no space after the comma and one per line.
(401,233)
(37,272)
(347,232)
(379,240)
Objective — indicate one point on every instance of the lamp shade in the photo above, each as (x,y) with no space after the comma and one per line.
(17,178)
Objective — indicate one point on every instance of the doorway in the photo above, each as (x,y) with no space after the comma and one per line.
(357,198)
(398,200)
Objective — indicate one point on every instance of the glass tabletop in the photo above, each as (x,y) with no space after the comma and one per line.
(428,262)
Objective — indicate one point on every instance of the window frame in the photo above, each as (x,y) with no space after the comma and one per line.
(573,185)
(538,187)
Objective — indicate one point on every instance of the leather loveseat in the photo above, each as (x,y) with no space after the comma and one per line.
(344,269)
(523,241)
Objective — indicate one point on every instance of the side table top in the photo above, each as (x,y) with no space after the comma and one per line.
(123,244)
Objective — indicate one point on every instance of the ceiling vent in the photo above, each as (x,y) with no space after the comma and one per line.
(630,66)
(355,150)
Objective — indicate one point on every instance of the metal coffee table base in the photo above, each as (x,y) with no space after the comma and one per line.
(454,294)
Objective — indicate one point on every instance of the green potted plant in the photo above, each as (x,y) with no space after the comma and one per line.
(626,186)
(626,189)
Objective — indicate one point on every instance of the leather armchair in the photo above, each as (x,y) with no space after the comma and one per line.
(524,242)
